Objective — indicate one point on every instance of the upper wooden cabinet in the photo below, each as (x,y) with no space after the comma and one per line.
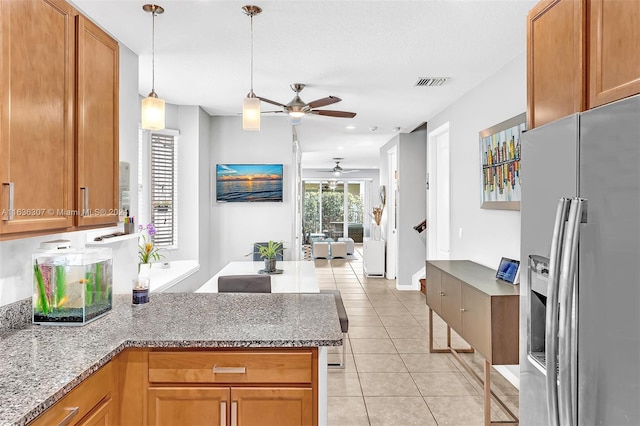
(580,54)
(614,50)
(58,119)
(555,60)
(37,115)
(97,124)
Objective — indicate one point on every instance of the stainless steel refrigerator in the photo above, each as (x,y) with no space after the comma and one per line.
(580,293)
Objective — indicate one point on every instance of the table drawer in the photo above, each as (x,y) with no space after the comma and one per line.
(230,367)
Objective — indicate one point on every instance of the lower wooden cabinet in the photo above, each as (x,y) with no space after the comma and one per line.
(89,404)
(173,406)
(228,387)
(102,415)
(188,406)
(272,406)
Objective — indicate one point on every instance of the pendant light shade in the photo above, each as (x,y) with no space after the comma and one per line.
(251,104)
(152,113)
(251,112)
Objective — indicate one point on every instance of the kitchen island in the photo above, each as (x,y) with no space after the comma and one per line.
(42,364)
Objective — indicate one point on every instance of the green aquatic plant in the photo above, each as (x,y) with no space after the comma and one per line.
(98,282)
(89,283)
(42,294)
(61,285)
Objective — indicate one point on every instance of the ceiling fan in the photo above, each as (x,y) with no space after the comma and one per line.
(337,169)
(297,108)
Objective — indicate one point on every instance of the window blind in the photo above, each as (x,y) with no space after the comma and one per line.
(164,189)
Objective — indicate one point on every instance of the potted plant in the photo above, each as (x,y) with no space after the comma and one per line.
(147,251)
(269,252)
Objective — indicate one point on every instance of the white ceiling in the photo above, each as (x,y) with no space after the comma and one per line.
(369,53)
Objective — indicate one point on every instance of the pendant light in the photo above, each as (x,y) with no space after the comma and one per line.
(152,105)
(251,104)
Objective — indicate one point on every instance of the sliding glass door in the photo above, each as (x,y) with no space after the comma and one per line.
(333,209)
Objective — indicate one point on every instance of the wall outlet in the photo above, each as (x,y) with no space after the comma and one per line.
(460,233)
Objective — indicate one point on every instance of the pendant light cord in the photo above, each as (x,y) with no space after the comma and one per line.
(252,53)
(153,50)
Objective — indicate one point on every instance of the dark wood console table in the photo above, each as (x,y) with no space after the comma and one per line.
(484,311)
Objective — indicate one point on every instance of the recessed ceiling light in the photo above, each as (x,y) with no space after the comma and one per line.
(350,127)
(396,129)
(340,148)
(373,128)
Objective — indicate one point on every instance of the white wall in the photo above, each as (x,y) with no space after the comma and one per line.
(487,234)
(193,193)
(15,255)
(236,226)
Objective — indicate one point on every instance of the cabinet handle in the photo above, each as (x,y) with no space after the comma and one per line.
(234,413)
(72,413)
(229,370)
(463,310)
(223,413)
(9,215)
(85,202)
(442,293)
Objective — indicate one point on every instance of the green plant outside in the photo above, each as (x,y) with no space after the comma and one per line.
(332,210)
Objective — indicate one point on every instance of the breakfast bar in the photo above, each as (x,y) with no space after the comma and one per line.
(145,359)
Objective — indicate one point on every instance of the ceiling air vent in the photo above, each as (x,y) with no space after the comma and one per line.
(431,81)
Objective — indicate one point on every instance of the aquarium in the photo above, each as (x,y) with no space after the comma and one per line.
(71,287)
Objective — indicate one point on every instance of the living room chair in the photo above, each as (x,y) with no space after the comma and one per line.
(244,284)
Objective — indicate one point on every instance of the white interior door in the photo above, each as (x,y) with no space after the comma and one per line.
(438,208)
(392,209)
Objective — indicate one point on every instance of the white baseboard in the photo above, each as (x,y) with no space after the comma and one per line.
(509,375)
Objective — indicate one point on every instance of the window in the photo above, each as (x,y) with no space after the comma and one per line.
(163,189)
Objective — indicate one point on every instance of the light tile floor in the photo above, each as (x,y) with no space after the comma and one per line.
(390,377)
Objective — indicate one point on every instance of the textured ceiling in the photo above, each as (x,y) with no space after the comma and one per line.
(369,53)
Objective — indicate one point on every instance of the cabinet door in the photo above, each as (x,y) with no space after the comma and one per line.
(177,406)
(100,416)
(97,145)
(272,406)
(614,52)
(36,115)
(556,79)
(451,313)
(434,281)
(476,320)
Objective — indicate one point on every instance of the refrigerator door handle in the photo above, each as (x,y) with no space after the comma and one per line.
(551,327)
(567,355)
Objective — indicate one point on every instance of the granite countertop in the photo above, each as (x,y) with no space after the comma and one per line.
(40,364)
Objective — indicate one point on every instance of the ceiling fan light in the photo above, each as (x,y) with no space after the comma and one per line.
(336,173)
(296,120)
(296,114)
(152,112)
(251,113)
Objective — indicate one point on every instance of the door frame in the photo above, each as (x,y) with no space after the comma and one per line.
(435,190)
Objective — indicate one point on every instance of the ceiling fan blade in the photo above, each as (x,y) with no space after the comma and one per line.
(272,102)
(350,171)
(330,113)
(324,102)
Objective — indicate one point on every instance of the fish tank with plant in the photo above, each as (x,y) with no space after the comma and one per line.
(71,287)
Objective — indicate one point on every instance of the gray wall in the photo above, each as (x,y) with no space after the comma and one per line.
(412,172)
(412,175)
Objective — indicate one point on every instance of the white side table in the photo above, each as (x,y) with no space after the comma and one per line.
(373,257)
